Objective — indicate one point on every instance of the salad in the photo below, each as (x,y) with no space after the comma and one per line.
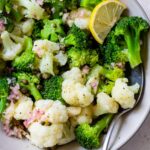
(63,68)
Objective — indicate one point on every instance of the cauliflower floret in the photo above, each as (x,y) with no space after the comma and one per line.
(73,111)
(27,26)
(12,48)
(42,46)
(32,9)
(74,74)
(61,58)
(105,104)
(69,93)
(84,95)
(57,113)
(79,17)
(68,134)
(76,94)
(45,136)
(10,111)
(124,94)
(46,64)
(85,116)
(43,105)
(45,50)
(23,108)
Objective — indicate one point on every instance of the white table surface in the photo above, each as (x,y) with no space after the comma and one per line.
(141,141)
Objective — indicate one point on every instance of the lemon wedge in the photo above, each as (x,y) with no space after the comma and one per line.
(104,17)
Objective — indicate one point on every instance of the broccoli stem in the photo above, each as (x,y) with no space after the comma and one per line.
(2,104)
(34,91)
(102,124)
(133,43)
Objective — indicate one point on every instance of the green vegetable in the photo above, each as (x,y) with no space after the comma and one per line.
(88,136)
(89,4)
(79,58)
(114,50)
(106,86)
(77,38)
(52,88)
(113,73)
(29,82)
(36,33)
(52,30)
(59,6)
(4,91)
(24,62)
(131,28)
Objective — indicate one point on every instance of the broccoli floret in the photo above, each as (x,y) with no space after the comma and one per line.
(89,4)
(77,38)
(114,49)
(52,30)
(10,12)
(113,73)
(23,62)
(88,136)
(4,91)
(36,33)
(106,87)
(29,82)
(31,9)
(130,28)
(12,46)
(60,6)
(52,88)
(79,58)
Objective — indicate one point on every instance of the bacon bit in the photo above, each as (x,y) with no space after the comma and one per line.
(2,25)
(85,70)
(15,93)
(14,130)
(39,52)
(94,85)
(120,65)
(40,2)
(36,115)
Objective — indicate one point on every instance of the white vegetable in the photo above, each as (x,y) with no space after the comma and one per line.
(47,63)
(105,104)
(74,74)
(61,58)
(85,116)
(45,50)
(32,9)
(42,46)
(124,94)
(27,26)
(45,136)
(69,93)
(73,111)
(23,108)
(84,95)
(11,48)
(68,134)
(43,105)
(76,94)
(57,113)
(79,17)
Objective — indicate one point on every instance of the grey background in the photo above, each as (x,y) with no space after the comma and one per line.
(141,140)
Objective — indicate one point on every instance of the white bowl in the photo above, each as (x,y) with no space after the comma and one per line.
(126,127)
